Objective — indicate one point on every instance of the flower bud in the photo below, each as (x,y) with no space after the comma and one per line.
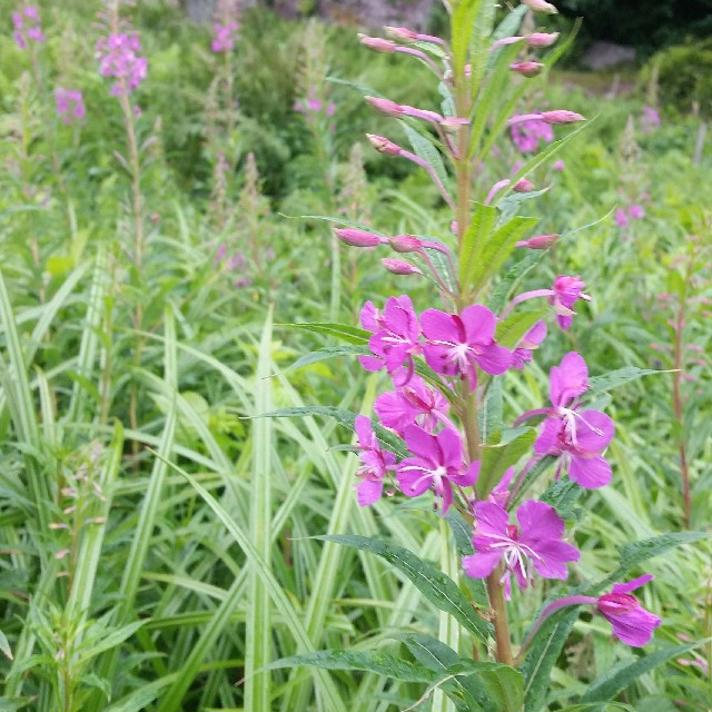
(527,68)
(541,6)
(358,238)
(396,266)
(538,242)
(452,123)
(403,34)
(523,186)
(384,145)
(377,43)
(559,165)
(385,106)
(406,243)
(542,39)
(432,116)
(505,41)
(561,116)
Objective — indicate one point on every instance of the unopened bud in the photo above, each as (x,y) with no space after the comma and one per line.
(396,266)
(505,41)
(452,123)
(527,68)
(385,106)
(542,39)
(432,116)
(403,34)
(406,243)
(538,242)
(561,116)
(358,238)
(541,6)
(523,186)
(377,43)
(384,145)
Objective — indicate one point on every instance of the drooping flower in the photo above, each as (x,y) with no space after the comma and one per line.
(456,344)
(414,403)
(537,541)
(119,57)
(395,338)
(436,463)
(579,437)
(70,105)
(631,623)
(224,35)
(27,27)
(522,355)
(566,291)
(375,463)
(527,135)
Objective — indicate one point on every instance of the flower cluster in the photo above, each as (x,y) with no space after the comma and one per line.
(314,105)
(27,27)
(70,105)
(426,436)
(119,57)
(224,36)
(624,216)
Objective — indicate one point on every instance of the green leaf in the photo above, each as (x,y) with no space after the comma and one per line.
(425,149)
(5,646)
(463,25)
(505,687)
(497,458)
(111,640)
(367,661)
(480,228)
(344,332)
(511,329)
(614,379)
(438,588)
(621,676)
(495,252)
(328,352)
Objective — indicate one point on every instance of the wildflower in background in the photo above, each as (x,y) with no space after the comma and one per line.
(650,118)
(456,344)
(395,338)
(412,404)
(636,211)
(531,341)
(70,105)
(224,35)
(559,166)
(375,463)
(578,437)
(436,463)
(621,217)
(624,216)
(537,541)
(27,27)
(566,291)
(119,57)
(529,134)
(315,106)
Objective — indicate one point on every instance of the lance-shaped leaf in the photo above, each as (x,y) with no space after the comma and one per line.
(497,458)
(511,329)
(344,332)
(438,588)
(619,377)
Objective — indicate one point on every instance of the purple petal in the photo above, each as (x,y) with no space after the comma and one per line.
(633,584)
(495,359)
(451,448)
(539,521)
(479,323)
(411,476)
(594,430)
(369,491)
(364,431)
(481,565)
(422,444)
(490,518)
(548,441)
(469,477)
(438,325)
(590,472)
(553,557)
(635,627)
(568,380)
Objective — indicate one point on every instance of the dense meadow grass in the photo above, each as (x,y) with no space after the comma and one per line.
(159,537)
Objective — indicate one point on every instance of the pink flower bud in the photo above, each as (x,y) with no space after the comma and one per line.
(384,145)
(452,123)
(377,43)
(542,39)
(559,165)
(538,242)
(358,238)
(385,106)
(406,243)
(403,34)
(505,41)
(432,116)
(561,116)
(396,266)
(541,6)
(527,68)
(523,186)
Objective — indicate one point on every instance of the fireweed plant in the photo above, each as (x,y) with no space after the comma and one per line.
(438,432)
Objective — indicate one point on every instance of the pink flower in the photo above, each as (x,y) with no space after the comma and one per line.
(224,37)
(384,145)
(458,343)
(561,116)
(378,44)
(542,39)
(536,542)
(436,463)
(27,27)
(119,58)
(538,242)
(566,291)
(522,355)
(413,403)
(395,338)
(578,437)
(650,119)
(621,218)
(559,166)
(375,463)
(541,6)
(400,267)
(527,68)
(70,104)
(359,238)
(631,623)
(528,134)
(636,211)
(390,108)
